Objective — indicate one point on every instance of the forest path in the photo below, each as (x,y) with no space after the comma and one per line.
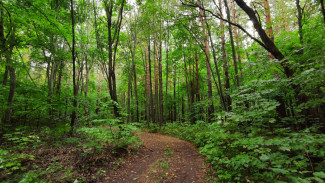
(161,159)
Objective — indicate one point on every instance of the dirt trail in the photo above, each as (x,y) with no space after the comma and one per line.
(161,159)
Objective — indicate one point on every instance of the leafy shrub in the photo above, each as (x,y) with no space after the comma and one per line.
(237,157)
(112,132)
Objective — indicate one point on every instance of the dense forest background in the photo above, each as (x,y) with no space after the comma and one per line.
(242,80)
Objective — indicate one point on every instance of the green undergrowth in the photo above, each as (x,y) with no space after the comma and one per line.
(256,156)
(54,155)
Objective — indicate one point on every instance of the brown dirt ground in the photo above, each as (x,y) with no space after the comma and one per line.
(161,159)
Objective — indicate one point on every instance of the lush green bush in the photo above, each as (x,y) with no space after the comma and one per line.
(286,157)
(111,131)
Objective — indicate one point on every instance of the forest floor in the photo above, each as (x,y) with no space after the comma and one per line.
(161,159)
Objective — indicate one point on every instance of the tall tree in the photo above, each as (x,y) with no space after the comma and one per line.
(207,54)
(322,9)
(268,21)
(224,56)
(113,41)
(234,58)
(236,34)
(75,90)
(299,10)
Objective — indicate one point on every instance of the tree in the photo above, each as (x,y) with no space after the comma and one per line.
(113,42)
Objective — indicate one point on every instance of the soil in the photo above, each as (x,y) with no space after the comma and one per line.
(160,159)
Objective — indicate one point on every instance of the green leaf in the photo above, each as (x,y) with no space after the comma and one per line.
(264,157)
(320,174)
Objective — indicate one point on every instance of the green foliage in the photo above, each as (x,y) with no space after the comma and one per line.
(240,157)
(112,131)
(12,159)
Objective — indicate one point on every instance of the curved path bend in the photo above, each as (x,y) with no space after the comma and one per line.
(161,159)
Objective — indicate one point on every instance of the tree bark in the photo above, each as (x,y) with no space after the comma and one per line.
(129,93)
(174,101)
(233,8)
(167,67)
(222,101)
(135,74)
(206,46)
(234,58)
(161,94)
(299,10)
(197,77)
(269,30)
(268,43)
(322,8)
(8,113)
(148,86)
(225,60)
(75,91)
(157,120)
(186,81)
(113,43)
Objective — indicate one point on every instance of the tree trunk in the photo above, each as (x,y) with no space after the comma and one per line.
(75,91)
(135,76)
(129,92)
(148,86)
(323,9)
(270,46)
(225,60)
(299,10)
(233,8)
(269,30)
(186,82)
(167,67)
(86,91)
(268,43)
(222,101)
(206,46)
(232,44)
(174,102)
(197,77)
(113,41)
(161,94)
(3,46)
(8,113)
(157,120)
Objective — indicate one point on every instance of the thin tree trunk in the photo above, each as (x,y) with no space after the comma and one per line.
(225,60)
(222,101)
(161,94)
(197,77)
(323,9)
(232,44)
(129,91)
(113,41)
(75,91)
(167,67)
(174,102)
(285,17)
(236,34)
(206,45)
(135,76)
(157,120)
(5,76)
(8,113)
(186,81)
(3,44)
(148,81)
(299,21)
(269,30)
(86,91)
